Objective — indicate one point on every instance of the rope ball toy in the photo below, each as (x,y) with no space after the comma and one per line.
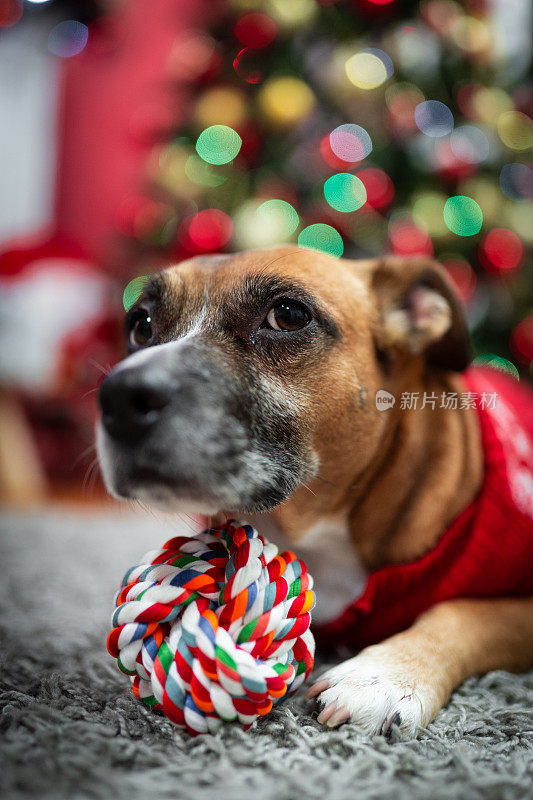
(214,628)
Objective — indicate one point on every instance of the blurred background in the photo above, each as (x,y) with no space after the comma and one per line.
(136,132)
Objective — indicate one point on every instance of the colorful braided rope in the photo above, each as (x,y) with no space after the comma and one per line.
(214,628)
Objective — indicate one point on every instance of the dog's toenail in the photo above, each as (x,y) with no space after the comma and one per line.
(317,688)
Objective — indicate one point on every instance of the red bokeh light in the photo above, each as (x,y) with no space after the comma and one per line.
(137,215)
(462,276)
(407,239)
(402,112)
(255,30)
(206,231)
(449,166)
(10,12)
(246,66)
(465,98)
(378,185)
(331,159)
(501,250)
(522,341)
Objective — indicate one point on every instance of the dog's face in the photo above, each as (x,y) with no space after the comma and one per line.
(254,373)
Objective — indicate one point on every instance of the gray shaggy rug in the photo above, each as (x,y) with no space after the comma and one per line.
(71,729)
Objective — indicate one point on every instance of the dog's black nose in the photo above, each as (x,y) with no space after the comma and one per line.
(132,401)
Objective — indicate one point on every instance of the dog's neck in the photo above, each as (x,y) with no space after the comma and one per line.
(427,469)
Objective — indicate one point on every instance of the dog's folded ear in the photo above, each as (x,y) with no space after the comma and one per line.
(419,312)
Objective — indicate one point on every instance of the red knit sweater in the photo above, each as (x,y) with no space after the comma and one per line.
(486,552)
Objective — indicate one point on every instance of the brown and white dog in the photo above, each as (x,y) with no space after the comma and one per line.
(245,392)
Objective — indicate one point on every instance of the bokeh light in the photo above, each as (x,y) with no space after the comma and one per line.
(462,276)
(472,35)
(497,362)
(520,216)
(462,215)
(263,224)
(434,118)
(516,181)
(488,102)
(218,144)
(378,185)
(199,171)
(296,14)
(469,144)
(350,142)
(369,68)
(345,192)
(192,56)
(280,215)
(286,100)
(501,250)
(408,239)
(402,99)
(255,29)
(10,12)
(223,105)
(522,341)
(441,14)
(322,237)
(516,130)
(134,290)
(208,230)
(485,192)
(428,211)
(246,65)
(68,38)
(146,219)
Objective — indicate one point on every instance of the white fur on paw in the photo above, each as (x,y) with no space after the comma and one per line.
(375,693)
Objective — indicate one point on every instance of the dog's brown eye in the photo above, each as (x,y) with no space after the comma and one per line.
(141,331)
(288,315)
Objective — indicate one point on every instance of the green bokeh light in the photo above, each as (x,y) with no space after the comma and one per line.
(499,363)
(134,290)
(280,215)
(462,215)
(218,144)
(344,192)
(322,237)
(198,171)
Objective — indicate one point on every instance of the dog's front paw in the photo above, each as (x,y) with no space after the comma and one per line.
(376,691)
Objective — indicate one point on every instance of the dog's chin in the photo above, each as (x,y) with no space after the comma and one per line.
(258,487)
(185,495)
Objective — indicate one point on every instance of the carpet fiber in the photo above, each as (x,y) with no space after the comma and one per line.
(70,727)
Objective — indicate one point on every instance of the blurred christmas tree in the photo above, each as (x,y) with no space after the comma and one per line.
(358,128)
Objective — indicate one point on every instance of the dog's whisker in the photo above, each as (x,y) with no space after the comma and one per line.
(83,455)
(103,370)
(90,476)
(308,489)
(90,391)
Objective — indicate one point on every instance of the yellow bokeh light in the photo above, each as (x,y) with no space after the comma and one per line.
(515,130)
(285,101)
(221,106)
(170,170)
(428,213)
(482,189)
(292,13)
(489,103)
(472,35)
(519,216)
(366,70)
